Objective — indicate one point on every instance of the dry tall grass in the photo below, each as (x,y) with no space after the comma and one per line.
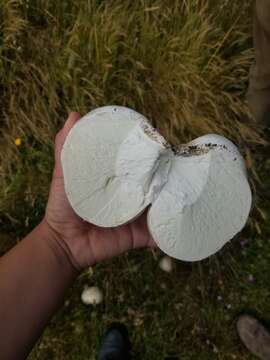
(182,63)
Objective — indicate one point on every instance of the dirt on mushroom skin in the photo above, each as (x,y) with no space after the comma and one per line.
(153,134)
(193,150)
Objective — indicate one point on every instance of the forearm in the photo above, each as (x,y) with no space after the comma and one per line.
(34,277)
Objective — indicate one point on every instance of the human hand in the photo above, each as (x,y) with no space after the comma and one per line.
(84,243)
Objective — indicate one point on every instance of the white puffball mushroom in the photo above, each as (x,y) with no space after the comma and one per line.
(116,164)
(205,202)
(166,264)
(92,296)
(109,165)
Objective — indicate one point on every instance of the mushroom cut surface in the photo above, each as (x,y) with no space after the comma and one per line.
(116,164)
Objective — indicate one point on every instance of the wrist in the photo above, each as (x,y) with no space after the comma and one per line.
(57,245)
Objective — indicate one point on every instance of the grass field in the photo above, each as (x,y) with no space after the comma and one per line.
(182,63)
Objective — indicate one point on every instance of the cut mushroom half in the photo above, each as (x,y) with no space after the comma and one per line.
(116,164)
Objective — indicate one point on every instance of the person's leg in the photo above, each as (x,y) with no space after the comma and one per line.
(255,336)
(259,88)
(115,344)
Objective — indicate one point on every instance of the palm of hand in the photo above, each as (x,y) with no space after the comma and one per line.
(87,243)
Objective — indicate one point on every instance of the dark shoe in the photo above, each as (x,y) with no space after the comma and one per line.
(255,336)
(115,344)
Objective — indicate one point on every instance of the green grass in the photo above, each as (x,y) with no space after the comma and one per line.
(177,314)
(183,64)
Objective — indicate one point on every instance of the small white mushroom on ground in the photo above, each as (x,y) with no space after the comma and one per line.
(92,296)
(166,264)
(116,164)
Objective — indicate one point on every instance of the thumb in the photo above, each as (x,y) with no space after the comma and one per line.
(60,139)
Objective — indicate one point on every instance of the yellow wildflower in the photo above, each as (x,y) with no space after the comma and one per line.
(18,142)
